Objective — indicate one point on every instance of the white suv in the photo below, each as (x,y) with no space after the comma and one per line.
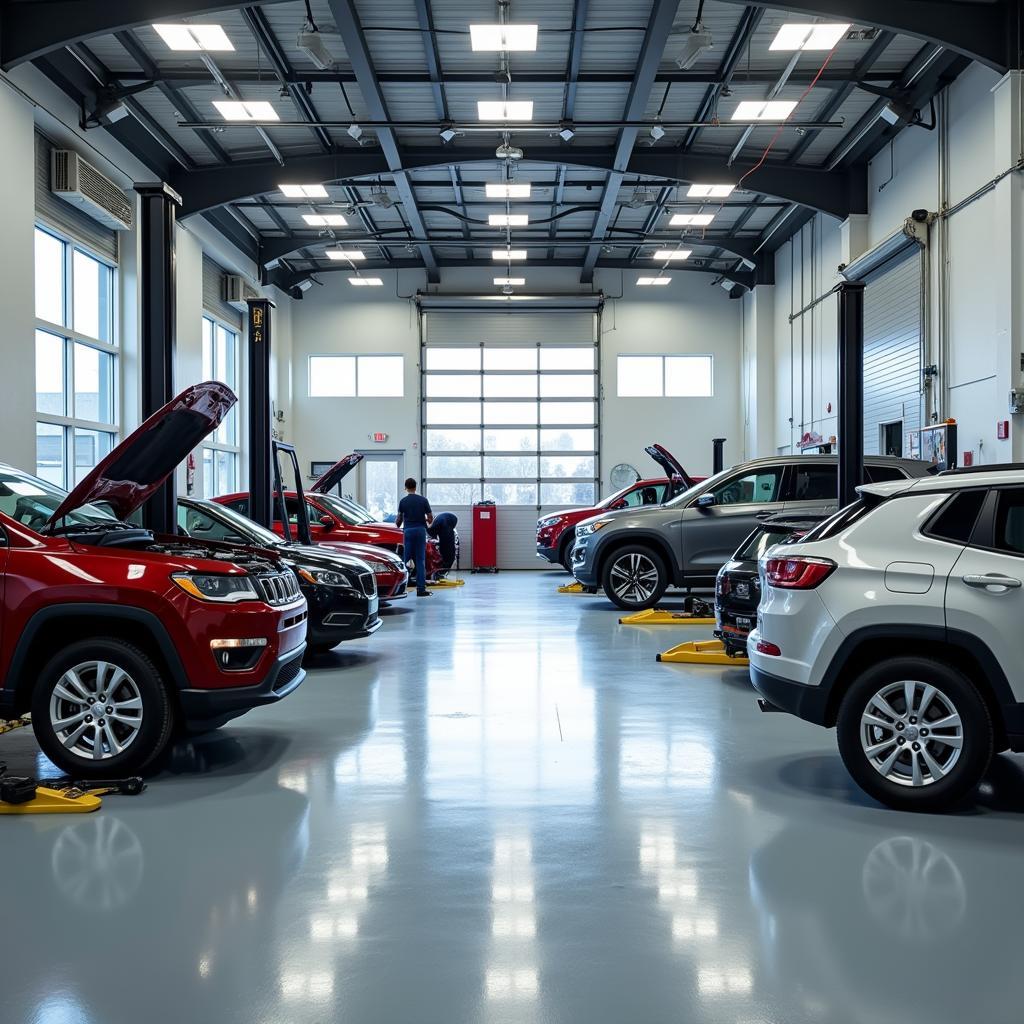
(900,620)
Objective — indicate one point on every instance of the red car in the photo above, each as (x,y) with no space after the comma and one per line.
(341,524)
(555,532)
(111,636)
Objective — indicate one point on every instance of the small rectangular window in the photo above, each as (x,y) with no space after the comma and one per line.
(640,377)
(332,376)
(955,520)
(1009,526)
(688,377)
(453,359)
(381,376)
(665,376)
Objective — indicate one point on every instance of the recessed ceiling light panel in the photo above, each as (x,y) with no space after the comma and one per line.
(763,110)
(508,220)
(503,37)
(366,282)
(346,254)
(194,37)
(237,110)
(303,191)
(507,282)
(691,220)
(507,190)
(505,110)
(797,36)
(325,220)
(710,191)
(503,255)
(672,254)
(645,281)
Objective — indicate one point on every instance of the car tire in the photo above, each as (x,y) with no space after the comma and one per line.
(945,773)
(134,735)
(644,567)
(565,555)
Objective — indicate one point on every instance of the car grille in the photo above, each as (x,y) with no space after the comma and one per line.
(280,589)
(289,670)
(369,583)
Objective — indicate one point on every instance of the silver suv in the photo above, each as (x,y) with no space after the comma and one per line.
(637,554)
(898,621)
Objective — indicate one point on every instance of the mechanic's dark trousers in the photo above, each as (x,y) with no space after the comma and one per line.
(446,542)
(416,549)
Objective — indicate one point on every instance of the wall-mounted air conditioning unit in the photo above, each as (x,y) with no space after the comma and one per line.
(237,291)
(77,182)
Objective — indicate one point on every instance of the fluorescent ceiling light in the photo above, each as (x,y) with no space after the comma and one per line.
(366,282)
(508,254)
(508,220)
(303,191)
(346,254)
(505,110)
(509,281)
(313,46)
(672,254)
(503,37)
(692,220)
(764,110)
(194,37)
(710,191)
(652,280)
(507,190)
(794,36)
(325,220)
(236,110)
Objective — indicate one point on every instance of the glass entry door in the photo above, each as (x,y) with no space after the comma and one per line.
(381,483)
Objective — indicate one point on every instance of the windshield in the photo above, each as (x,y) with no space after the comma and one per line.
(344,511)
(200,517)
(31,502)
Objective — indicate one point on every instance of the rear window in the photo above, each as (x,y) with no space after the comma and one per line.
(842,519)
(758,543)
(883,474)
(955,520)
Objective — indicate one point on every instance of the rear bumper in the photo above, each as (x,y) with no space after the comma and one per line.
(807,702)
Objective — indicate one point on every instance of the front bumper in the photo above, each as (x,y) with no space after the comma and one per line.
(584,564)
(548,554)
(807,702)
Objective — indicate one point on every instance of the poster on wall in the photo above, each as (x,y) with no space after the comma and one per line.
(935,444)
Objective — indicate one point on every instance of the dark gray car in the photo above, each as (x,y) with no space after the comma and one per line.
(636,554)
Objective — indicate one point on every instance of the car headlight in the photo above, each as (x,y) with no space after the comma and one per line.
(326,578)
(588,528)
(226,589)
(384,566)
(549,521)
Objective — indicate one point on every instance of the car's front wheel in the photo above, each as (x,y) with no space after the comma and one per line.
(565,554)
(100,708)
(915,734)
(635,577)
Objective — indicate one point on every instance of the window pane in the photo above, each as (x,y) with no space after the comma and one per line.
(524,413)
(688,376)
(225,464)
(225,351)
(442,466)
(50,374)
(50,453)
(453,412)
(510,440)
(567,358)
(90,447)
(816,483)
(749,488)
(568,412)
(450,386)
(93,313)
(49,277)
(511,494)
(510,359)
(207,348)
(332,376)
(568,465)
(94,385)
(956,521)
(524,386)
(567,493)
(452,494)
(209,484)
(567,386)
(510,465)
(567,440)
(452,440)
(453,358)
(381,376)
(1009,527)
(640,376)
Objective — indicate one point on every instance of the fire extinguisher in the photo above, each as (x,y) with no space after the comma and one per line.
(190,475)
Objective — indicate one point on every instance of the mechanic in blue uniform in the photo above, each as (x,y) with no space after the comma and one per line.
(444,532)
(414,516)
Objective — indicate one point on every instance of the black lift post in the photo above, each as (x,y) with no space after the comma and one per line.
(851,390)
(261,454)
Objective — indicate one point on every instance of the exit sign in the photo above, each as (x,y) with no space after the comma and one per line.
(379,437)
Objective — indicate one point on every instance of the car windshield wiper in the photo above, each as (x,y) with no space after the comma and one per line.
(101,526)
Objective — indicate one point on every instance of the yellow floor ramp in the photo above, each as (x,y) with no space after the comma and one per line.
(701,652)
(575,588)
(446,584)
(53,801)
(660,617)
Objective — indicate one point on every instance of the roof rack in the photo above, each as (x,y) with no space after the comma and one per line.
(995,467)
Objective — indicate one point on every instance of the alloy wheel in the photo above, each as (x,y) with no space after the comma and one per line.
(911,733)
(96,710)
(634,577)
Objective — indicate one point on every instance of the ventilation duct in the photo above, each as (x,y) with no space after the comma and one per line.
(77,182)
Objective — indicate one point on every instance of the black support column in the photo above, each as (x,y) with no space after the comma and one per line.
(157,287)
(717,454)
(260,425)
(851,390)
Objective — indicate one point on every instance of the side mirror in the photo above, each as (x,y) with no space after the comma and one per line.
(621,503)
(326,521)
(705,501)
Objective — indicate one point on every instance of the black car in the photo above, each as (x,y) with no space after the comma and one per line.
(341,590)
(738,585)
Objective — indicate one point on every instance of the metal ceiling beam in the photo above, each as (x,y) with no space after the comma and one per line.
(347,21)
(659,28)
(572,71)
(432,55)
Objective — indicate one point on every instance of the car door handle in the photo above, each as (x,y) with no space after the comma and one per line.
(992,580)
(764,515)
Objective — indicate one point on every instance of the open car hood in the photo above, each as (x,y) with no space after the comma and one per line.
(137,467)
(671,465)
(337,473)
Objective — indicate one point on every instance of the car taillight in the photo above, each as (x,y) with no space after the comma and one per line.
(772,650)
(799,573)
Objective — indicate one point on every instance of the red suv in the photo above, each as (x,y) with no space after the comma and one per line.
(112,636)
(555,532)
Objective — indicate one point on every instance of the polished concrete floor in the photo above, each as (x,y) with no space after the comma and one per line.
(501,809)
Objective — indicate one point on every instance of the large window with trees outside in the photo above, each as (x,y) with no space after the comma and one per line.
(221,450)
(76,353)
(513,423)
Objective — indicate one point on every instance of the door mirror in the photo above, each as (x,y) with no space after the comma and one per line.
(326,521)
(705,501)
(621,503)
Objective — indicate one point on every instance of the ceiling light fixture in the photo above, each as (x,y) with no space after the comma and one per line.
(710,191)
(504,255)
(238,110)
(508,220)
(366,282)
(312,44)
(567,134)
(691,220)
(503,37)
(346,254)
(508,282)
(507,190)
(354,132)
(194,37)
(644,281)
(657,132)
(303,191)
(505,110)
(795,36)
(697,42)
(448,134)
(672,254)
(325,220)
(764,110)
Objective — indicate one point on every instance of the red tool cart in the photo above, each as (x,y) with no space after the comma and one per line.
(485,537)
